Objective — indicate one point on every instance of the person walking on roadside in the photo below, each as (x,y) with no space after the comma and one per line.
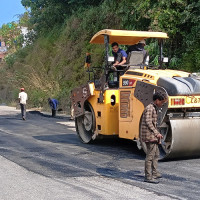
(151,136)
(23,97)
(53,103)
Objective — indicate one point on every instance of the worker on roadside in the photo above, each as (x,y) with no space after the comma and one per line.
(87,61)
(23,97)
(151,136)
(53,103)
(119,55)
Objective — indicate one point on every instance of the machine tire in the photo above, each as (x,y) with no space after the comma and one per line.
(86,124)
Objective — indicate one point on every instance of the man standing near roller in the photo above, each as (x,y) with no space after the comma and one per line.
(22,100)
(151,136)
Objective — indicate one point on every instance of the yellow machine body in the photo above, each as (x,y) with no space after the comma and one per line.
(106,115)
(123,118)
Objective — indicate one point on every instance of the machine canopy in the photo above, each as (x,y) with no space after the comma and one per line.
(125,37)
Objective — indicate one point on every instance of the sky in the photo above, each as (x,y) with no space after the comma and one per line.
(9,9)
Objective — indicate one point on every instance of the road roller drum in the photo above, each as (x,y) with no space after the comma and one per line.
(182,139)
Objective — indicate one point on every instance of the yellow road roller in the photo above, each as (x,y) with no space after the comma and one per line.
(113,104)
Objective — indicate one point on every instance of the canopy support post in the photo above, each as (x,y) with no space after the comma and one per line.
(106,42)
(160,59)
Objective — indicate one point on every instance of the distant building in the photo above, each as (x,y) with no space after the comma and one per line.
(24,32)
(3,49)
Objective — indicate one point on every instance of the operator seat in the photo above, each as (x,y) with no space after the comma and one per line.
(136,58)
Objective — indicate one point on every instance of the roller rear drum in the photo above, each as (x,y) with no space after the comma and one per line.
(181,139)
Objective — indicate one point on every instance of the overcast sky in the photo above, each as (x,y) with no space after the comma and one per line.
(9,9)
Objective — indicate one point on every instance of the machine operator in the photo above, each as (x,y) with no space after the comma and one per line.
(120,55)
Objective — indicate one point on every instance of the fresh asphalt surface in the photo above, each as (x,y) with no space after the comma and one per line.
(42,158)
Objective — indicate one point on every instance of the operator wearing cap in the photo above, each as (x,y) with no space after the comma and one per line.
(22,100)
(137,47)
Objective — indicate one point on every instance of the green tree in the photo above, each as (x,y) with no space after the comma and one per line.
(45,14)
(179,18)
(11,35)
(24,20)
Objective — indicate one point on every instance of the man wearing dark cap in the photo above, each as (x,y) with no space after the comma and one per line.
(22,101)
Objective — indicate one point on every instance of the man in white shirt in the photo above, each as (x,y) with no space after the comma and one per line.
(22,100)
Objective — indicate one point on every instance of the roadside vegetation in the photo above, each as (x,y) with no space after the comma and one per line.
(51,64)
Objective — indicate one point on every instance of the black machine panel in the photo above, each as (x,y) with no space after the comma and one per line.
(180,85)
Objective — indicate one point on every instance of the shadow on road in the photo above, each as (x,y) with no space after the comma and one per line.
(118,149)
(48,115)
(116,173)
(114,146)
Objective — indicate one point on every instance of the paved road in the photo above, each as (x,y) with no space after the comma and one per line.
(42,158)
